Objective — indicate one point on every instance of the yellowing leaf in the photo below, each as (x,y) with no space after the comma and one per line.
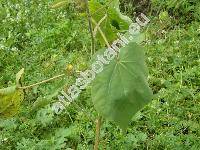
(5,95)
(10,100)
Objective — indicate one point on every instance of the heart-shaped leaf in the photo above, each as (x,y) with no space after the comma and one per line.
(121,89)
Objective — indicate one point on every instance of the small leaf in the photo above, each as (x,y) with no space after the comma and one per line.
(19,76)
(121,89)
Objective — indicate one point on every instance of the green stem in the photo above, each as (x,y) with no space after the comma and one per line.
(101,32)
(97,135)
(42,82)
(90,27)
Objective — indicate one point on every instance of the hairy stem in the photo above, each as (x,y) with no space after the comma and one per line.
(97,135)
(98,24)
(90,27)
(42,82)
(101,32)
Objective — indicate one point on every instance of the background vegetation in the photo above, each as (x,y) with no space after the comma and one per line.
(44,41)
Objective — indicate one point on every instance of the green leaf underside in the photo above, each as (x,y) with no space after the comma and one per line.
(121,89)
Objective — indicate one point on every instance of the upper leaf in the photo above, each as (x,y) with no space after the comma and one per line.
(121,89)
(113,24)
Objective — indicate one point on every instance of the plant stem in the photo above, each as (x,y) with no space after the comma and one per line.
(101,32)
(44,81)
(90,27)
(97,135)
(98,24)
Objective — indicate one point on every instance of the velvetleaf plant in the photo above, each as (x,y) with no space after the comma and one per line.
(121,89)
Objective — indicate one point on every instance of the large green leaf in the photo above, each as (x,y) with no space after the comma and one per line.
(121,89)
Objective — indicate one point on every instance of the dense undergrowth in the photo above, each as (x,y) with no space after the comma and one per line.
(45,41)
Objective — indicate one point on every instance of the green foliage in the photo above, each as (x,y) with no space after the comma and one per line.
(121,89)
(185,9)
(60,3)
(44,41)
(163,16)
(114,23)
